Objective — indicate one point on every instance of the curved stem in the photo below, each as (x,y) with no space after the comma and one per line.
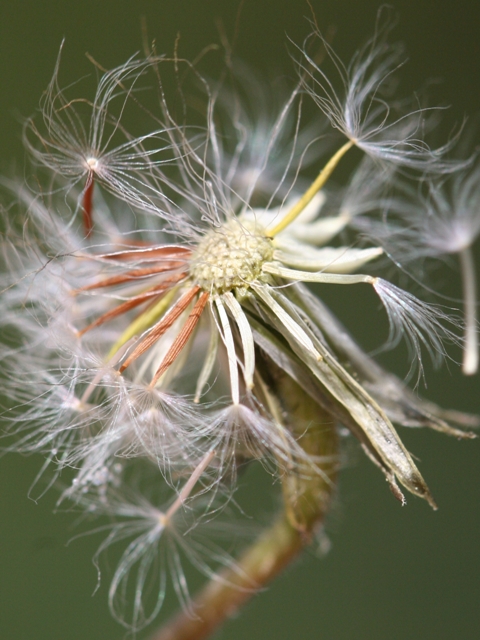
(220,599)
(306,493)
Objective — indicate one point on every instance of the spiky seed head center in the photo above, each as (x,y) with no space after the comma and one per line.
(231,256)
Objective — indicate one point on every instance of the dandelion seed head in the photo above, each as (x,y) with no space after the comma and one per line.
(170,340)
(363,111)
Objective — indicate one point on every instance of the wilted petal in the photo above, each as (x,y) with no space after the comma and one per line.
(358,410)
(401,404)
(328,259)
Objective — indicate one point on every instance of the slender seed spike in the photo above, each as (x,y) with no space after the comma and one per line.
(159,329)
(182,338)
(316,185)
(144,320)
(136,274)
(87,206)
(145,254)
(190,484)
(123,308)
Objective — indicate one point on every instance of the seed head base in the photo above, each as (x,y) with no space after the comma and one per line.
(231,257)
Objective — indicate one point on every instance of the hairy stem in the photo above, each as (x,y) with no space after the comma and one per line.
(220,599)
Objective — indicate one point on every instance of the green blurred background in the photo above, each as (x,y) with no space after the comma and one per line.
(392,573)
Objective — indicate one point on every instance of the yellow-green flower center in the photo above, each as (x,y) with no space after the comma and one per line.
(231,256)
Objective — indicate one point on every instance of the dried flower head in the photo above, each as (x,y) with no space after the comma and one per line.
(171,326)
